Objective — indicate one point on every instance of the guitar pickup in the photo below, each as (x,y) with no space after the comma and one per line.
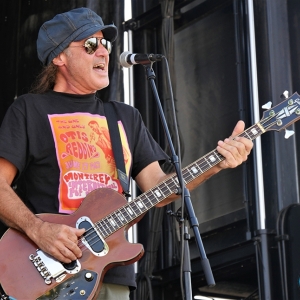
(92,238)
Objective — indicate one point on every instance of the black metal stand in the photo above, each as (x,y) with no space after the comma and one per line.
(187,199)
(187,266)
(263,263)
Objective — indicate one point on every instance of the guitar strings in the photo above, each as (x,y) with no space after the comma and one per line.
(93,230)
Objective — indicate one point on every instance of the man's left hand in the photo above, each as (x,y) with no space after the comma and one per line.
(235,149)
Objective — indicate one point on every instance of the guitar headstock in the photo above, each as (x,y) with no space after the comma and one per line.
(282,115)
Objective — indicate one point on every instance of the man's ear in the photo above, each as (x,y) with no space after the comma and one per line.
(58,60)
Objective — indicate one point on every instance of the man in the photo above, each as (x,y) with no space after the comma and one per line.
(46,148)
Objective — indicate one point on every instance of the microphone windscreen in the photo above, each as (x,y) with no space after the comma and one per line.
(123,59)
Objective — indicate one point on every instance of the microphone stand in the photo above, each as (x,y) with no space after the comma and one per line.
(187,200)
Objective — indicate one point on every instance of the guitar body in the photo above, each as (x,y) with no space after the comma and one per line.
(21,280)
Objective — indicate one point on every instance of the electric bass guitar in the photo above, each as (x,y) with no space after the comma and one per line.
(29,273)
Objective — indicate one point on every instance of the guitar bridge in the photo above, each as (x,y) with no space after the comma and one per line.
(50,268)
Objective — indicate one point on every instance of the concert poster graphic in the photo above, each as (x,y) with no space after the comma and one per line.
(85,157)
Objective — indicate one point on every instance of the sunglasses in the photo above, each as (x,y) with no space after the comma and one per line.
(92,44)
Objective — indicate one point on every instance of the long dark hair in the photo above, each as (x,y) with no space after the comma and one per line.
(45,80)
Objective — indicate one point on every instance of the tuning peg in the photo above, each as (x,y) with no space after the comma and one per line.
(288,133)
(285,95)
(267,105)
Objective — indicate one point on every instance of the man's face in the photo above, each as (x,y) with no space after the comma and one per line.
(82,73)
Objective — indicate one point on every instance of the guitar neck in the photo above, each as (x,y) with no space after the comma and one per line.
(163,190)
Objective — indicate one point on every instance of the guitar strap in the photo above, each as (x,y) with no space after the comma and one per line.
(115,138)
(3,296)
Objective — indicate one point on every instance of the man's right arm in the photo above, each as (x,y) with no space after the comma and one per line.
(58,240)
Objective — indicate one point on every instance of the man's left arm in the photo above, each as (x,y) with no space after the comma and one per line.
(234,149)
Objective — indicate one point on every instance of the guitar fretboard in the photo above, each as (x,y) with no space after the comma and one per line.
(149,199)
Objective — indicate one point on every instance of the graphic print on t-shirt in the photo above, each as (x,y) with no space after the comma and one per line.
(85,157)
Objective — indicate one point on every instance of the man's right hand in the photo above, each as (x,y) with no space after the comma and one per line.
(60,241)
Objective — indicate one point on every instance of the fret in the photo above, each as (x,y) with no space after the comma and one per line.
(172,186)
(124,213)
(159,194)
(186,176)
(146,200)
(135,207)
(112,221)
(119,219)
(107,224)
(190,173)
(175,186)
(219,157)
(203,165)
(247,135)
(103,226)
(141,206)
(214,158)
(166,190)
(254,131)
(100,229)
(128,213)
(130,210)
(111,229)
(200,166)
(112,224)
(104,232)
(152,199)
(194,170)
(210,158)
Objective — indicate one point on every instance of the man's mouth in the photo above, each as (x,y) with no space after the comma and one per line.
(100,66)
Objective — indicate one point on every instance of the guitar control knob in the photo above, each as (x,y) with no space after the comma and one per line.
(89,276)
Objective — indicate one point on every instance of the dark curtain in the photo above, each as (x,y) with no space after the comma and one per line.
(20,22)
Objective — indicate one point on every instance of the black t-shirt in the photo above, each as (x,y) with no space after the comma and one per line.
(61,147)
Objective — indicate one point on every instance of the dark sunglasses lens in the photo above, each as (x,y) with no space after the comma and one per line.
(106,44)
(91,45)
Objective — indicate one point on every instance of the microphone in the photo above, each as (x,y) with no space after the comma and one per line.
(128,59)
